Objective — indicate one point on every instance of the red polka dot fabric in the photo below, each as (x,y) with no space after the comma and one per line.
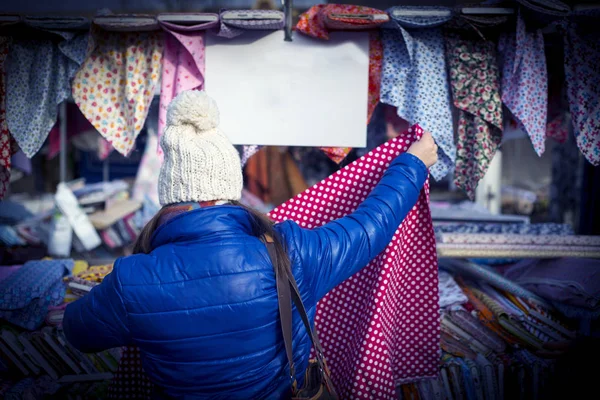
(380,328)
(130,380)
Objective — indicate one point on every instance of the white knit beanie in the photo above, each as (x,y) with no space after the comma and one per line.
(200,163)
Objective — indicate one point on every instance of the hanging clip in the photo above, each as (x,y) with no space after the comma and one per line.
(288,8)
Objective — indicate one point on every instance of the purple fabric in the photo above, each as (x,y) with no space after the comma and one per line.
(572,281)
(6,271)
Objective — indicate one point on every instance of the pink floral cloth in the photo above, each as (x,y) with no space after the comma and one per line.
(116,83)
(182,66)
(525,82)
(475,83)
(319,20)
(7,143)
(380,327)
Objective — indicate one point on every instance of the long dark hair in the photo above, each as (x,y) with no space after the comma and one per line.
(261,226)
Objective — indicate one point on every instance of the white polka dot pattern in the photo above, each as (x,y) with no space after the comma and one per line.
(380,327)
(130,380)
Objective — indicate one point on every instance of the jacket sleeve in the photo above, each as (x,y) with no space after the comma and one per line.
(97,321)
(335,251)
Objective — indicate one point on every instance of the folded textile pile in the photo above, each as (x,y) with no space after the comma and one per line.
(516,246)
(496,339)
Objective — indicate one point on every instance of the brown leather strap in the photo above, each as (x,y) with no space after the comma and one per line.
(285,307)
(285,290)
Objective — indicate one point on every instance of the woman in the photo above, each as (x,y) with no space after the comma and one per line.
(200,299)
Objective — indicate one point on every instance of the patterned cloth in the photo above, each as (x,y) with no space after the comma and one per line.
(516,229)
(414,79)
(27,293)
(146,180)
(380,327)
(451,295)
(318,21)
(115,86)
(582,73)
(543,240)
(249,151)
(182,65)
(38,78)
(475,82)
(7,143)
(130,381)
(525,82)
(266,20)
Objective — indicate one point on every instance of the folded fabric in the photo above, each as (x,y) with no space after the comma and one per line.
(497,228)
(487,275)
(7,143)
(540,240)
(6,271)
(480,332)
(38,77)
(414,79)
(514,251)
(28,292)
(182,64)
(9,236)
(552,7)
(582,71)
(116,84)
(395,339)
(525,81)
(127,22)
(96,273)
(475,82)
(574,282)
(451,295)
(320,19)
(234,23)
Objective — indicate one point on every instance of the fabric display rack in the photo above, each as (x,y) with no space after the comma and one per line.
(462,303)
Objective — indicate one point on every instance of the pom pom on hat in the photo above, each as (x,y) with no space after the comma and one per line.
(195,108)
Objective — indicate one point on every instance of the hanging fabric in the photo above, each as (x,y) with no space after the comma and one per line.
(117,82)
(7,144)
(77,124)
(146,180)
(182,64)
(234,23)
(475,83)
(320,19)
(249,151)
(38,77)
(380,327)
(582,74)
(414,79)
(525,81)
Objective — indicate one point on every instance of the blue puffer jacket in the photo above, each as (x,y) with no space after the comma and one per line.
(202,306)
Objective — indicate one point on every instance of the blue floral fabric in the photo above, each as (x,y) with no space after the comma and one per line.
(414,79)
(38,79)
(27,293)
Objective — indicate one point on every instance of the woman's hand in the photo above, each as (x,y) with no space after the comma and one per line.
(425,149)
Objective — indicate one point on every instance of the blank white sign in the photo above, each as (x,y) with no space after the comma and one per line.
(308,92)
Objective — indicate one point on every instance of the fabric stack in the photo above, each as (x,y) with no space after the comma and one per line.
(35,358)
(498,340)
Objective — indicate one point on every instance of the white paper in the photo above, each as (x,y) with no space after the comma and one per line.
(307,92)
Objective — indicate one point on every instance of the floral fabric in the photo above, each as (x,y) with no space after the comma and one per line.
(414,79)
(475,83)
(7,143)
(317,22)
(230,28)
(525,82)
(38,78)
(182,65)
(116,83)
(582,72)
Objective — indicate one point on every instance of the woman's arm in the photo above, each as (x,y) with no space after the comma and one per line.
(97,321)
(334,252)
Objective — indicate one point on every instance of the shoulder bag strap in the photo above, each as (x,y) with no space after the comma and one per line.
(285,307)
(291,290)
